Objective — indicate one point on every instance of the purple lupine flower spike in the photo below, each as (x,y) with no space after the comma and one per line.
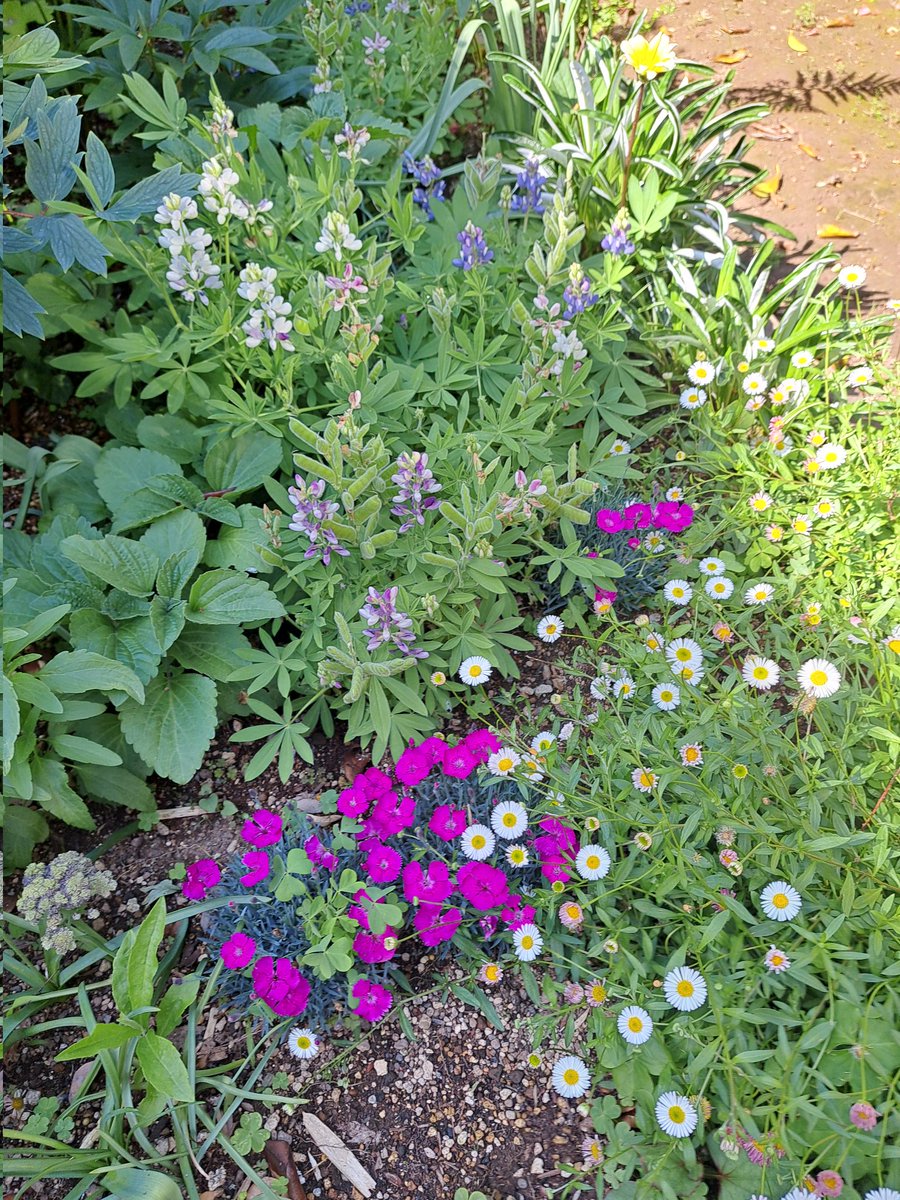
(528,195)
(617,240)
(415,483)
(311,514)
(473,249)
(388,626)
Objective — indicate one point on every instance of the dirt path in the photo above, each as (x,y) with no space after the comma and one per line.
(834,131)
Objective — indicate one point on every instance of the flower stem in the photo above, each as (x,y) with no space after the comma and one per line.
(637,116)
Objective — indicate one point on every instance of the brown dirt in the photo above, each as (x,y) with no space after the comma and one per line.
(840,100)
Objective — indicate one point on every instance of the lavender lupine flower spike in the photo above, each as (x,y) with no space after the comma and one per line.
(388,626)
(429,185)
(312,512)
(415,484)
(528,195)
(578,295)
(473,250)
(617,240)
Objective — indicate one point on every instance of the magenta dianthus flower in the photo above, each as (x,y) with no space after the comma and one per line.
(200,877)
(238,951)
(434,926)
(257,864)
(263,828)
(280,985)
(458,762)
(375,949)
(373,1000)
(482,885)
(448,822)
(382,864)
(426,885)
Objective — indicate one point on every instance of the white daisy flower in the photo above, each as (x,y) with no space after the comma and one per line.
(776,961)
(654,543)
(754,383)
(550,629)
(826,508)
(780,901)
(654,643)
(438,678)
(303,1043)
(543,742)
(882,1194)
(759,593)
(635,1025)
(503,762)
(712,566)
(859,377)
(819,678)
(760,501)
(802,358)
(684,652)
(685,989)
(592,862)
(644,781)
(678,591)
(532,770)
(623,688)
(692,397)
(761,673)
(527,942)
(676,1115)
(675,494)
(620,447)
(702,372)
(666,696)
(852,278)
(719,587)
(517,856)
(509,819)
(477,842)
(571,1077)
(475,670)
(831,455)
(689,675)
(801,524)
(763,345)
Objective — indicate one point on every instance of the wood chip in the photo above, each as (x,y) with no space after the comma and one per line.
(338,1153)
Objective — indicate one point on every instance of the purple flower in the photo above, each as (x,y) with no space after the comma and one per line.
(382,864)
(310,517)
(344,286)
(528,195)
(280,985)
(434,926)
(448,822)
(415,484)
(473,250)
(617,240)
(429,185)
(373,1000)
(388,626)
(578,295)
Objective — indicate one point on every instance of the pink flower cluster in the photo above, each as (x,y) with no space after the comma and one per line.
(668,514)
(556,847)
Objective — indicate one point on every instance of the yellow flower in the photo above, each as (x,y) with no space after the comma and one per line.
(652,58)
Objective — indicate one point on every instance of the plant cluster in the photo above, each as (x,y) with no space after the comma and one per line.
(53,892)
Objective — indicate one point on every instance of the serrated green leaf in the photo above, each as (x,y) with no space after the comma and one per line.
(228,598)
(174,727)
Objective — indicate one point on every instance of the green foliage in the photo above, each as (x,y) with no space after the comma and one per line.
(152,631)
(46,134)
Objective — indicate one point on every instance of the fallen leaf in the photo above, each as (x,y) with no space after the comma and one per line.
(810,150)
(280,1159)
(839,23)
(80,1077)
(796,45)
(768,187)
(352,764)
(835,231)
(339,1154)
(735,32)
(734,56)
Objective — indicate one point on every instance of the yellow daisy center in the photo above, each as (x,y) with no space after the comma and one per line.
(776,960)
(571,1076)
(818,678)
(474,671)
(505,764)
(593,862)
(635,1024)
(509,820)
(676,1114)
(760,672)
(478,842)
(491,973)
(598,991)
(646,780)
(573,912)
(304,1043)
(517,856)
(685,988)
(683,654)
(527,942)
(780,900)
